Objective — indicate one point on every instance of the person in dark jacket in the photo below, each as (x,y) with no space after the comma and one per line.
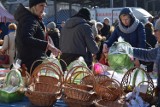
(30,37)
(150,43)
(106,28)
(130,29)
(77,38)
(54,34)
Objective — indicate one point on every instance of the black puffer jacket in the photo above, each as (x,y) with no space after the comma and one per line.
(30,38)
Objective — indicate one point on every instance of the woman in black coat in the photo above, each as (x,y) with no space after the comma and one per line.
(30,39)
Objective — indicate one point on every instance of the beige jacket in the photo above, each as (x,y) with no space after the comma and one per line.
(9,45)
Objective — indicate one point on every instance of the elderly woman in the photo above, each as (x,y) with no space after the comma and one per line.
(8,46)
(30,39)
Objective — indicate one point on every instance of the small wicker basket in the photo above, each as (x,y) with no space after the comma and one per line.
(78,91)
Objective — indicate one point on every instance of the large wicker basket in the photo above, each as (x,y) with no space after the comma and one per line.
(78,91)
(128,83)
(109,90)
(45,85)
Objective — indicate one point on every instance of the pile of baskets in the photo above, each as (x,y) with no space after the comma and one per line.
(45,84)
(108,90)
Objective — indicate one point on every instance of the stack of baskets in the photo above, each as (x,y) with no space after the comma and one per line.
(76,93)
(45,87)
(129,83)
(107,90)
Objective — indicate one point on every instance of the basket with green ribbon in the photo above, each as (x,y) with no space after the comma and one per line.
(12,89)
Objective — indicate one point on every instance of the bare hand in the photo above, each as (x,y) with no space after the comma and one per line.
(105,48)
(137,63)
(54,50)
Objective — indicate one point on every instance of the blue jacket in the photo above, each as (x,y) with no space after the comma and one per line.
(133,34)
(136,38)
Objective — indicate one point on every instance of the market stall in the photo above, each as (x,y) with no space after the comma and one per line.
(79,86)
(5,16)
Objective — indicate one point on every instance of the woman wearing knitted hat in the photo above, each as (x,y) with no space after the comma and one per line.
(30,39)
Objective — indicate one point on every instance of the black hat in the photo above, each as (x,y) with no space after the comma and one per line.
(84,13)
(35,2)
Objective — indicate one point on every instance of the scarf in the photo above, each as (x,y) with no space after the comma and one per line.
(130,29)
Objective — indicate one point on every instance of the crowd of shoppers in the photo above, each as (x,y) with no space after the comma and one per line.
(31,40)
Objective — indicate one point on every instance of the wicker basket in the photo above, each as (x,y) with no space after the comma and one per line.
(128,86)
(109,90)
(77,91)
(127,78)
(44,90)
(105,103)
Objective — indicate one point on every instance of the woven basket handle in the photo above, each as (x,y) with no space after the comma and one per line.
(40,60)
(127,76)
(49,63)
(46,67)
(75,73)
